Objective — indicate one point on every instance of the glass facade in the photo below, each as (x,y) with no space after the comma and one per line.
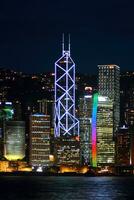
(123,146)
(85,114)
(39,140)
(14,140)
(109,85)
(105,143)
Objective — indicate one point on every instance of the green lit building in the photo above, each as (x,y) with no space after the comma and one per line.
(6,111)
(14,140)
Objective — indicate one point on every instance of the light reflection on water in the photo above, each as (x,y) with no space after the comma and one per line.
(66,188)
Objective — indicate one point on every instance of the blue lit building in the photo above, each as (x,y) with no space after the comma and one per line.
(66,124)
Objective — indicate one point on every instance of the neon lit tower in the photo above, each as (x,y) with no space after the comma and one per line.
(105,126)
(94,130)
(66,128)
(66,124)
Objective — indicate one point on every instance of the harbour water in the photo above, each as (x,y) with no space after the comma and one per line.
(66,188)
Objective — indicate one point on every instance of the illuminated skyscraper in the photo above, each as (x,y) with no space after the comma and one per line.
(14,140)
(105,143)
(46,106)
(94,129)
(109,85)
(66,124)
(85,118)
(39,140)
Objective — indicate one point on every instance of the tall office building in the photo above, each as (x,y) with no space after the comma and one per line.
(85,118)
(105,143)
(127,98)
(66,124)
(109,85)
(123,146)
(14,140)
(46,106)
(17,110)
(39,140)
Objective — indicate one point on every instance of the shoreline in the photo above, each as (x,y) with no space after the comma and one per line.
(62,174)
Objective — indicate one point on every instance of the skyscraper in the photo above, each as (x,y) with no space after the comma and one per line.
(109,85)
(66,124)
(85,118)
(46,106)
(14,140)
(105,143)
(123,146)
(39,140)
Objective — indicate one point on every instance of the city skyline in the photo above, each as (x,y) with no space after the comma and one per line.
(95,145)
(66,99)
(31,33)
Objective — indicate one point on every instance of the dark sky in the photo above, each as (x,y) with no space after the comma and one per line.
(102,32)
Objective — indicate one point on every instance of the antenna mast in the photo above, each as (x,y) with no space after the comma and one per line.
(69,43)
(63,44)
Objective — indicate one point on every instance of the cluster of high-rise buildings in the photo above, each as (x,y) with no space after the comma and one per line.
(66,131)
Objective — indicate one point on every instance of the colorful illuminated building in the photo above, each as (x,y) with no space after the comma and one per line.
(94,130)
(109,85)
(85,118)
(66,128)
(105,143)
(39,141)
(14,140)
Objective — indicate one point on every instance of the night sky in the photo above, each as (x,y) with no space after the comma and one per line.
(102,32)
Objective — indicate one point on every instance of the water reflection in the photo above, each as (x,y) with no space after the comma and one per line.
(66,188)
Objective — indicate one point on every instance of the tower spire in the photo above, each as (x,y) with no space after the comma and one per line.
(63,44)
(69,43)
